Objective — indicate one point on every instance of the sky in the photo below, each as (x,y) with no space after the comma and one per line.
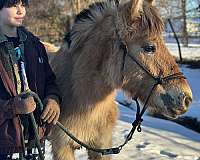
(191,4)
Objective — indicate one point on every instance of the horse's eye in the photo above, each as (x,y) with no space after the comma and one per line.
(149,48)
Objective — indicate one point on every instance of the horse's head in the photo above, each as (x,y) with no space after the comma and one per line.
(121,47)
(147,61)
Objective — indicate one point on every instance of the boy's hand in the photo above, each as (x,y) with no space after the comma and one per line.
(51,112)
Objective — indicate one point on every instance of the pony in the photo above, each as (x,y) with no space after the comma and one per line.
(113,47)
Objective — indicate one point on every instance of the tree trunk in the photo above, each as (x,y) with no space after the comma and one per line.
(185,32)
(78,6)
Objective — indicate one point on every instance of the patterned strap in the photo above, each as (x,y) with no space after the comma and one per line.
(8,83)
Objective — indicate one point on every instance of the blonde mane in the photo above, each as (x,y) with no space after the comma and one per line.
(149,21)
(88,19)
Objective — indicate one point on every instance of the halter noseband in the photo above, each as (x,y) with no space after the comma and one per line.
(158,80)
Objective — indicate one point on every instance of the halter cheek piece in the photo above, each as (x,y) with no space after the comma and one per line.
(158,80)
(137,123)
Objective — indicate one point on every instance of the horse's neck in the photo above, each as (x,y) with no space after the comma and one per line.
(90,94)
(78,91)
(62,67)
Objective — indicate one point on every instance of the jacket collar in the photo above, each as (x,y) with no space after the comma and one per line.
(22,36)
(2,38)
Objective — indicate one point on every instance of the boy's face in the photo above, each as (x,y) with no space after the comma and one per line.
(13,16)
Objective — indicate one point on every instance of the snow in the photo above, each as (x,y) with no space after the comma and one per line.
(159,139)
(192,52)
(193,76)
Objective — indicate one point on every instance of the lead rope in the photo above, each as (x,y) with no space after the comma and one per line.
(135,125)
(115,150)
(27,93)
(138,121)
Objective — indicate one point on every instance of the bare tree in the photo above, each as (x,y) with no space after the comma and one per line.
(184,16)
(51,19)
(47,19)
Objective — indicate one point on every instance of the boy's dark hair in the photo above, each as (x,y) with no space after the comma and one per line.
(11,3)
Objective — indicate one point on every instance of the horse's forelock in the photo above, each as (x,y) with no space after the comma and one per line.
(147,21)
(151,21)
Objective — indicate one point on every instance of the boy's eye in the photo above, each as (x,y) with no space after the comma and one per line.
(19,5)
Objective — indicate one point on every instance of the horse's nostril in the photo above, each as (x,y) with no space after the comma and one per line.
(187,101)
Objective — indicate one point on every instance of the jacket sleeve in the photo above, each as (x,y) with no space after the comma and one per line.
(51,88)
(7,111)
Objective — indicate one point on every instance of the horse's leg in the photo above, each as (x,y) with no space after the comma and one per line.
(62,152)
(104,137)
(103,141)
(95,156)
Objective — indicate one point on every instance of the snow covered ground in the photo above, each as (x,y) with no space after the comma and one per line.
(159,139)
(193,76)
(192,52)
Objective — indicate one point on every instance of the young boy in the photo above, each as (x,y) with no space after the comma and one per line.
(16,39)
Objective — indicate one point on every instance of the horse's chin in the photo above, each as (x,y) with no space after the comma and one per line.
(167,112)
(173,114)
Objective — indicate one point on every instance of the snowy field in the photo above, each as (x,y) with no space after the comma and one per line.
(159,139)
(193,76)
(191,52)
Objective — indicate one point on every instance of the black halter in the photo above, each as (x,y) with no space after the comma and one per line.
(137,123)
(158,80)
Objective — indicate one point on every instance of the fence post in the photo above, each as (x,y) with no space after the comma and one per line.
(178,43)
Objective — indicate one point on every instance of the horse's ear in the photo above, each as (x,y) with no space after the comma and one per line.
(136,7)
